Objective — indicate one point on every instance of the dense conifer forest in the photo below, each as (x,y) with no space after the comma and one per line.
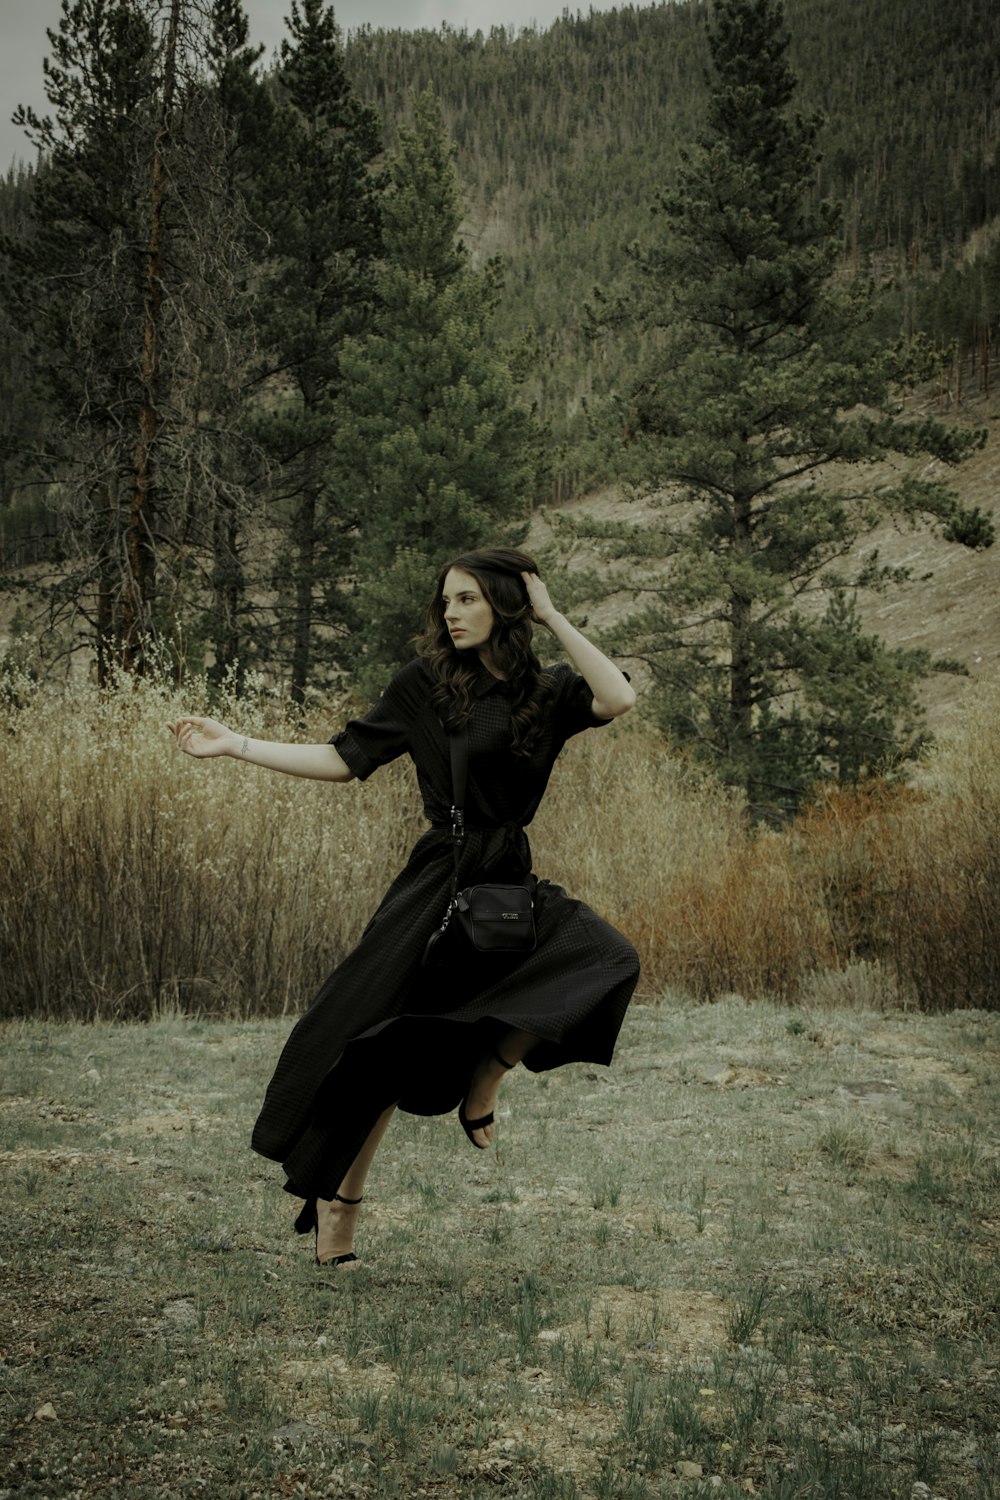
(273,338)
(566,137)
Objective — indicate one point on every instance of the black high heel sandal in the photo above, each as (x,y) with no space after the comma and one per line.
(333,1260)
(470,1125)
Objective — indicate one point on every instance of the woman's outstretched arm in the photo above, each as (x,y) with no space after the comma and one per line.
(203,738)
(613,694)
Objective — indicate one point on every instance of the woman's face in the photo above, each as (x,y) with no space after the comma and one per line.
(467,613)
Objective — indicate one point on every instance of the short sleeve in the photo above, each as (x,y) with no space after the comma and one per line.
(574,698)
(384,733)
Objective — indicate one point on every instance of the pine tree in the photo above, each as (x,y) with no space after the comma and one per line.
(200,336)
(859,707)
(126,287)
(433,445)
(140,545)
(755,422)
(319,206)
(25,420)
(233,121)
(74,285)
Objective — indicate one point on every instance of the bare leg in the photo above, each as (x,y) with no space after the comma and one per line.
(481,1099)
(336,1220)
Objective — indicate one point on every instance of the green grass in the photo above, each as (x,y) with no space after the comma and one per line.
(655,1286)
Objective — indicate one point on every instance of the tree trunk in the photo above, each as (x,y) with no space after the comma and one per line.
(141,554)
(741,657)
(104,538)
(228,587)
(304,544)
(107,643)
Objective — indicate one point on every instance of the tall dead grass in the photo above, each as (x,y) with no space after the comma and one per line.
(895,889)
(665,855)
(135,881)
(940,922)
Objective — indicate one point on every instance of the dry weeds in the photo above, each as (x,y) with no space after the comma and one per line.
(136,882)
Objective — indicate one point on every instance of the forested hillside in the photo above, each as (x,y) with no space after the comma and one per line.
(566,136)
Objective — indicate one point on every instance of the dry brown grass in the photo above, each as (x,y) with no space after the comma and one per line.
(892,884)
(941,862)
(134,881)
(748,926)
(623,825)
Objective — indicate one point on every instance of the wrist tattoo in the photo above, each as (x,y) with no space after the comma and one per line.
(245,746)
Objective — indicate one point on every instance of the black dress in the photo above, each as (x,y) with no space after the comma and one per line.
(383,1028)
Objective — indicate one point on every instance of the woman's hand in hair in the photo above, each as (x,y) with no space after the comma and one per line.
(613,693)
(542,607)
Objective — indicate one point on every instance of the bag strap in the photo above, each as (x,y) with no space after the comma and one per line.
(458,744)
(458,747)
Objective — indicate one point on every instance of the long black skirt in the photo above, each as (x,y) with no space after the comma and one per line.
(383,1029)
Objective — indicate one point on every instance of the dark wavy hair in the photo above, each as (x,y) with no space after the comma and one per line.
(498,571)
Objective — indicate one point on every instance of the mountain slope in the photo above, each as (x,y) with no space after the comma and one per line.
(565,136)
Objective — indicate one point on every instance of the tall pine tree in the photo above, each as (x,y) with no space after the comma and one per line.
(433,447)
(130,288)
(75,285)
(755,424)
(229,121)
(318,204)
(25,419)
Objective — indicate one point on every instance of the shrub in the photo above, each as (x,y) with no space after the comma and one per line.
(941,858)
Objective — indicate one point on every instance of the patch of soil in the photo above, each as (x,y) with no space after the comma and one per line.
(685,1322)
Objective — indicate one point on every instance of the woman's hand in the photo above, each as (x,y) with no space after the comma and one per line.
(204,737)
(613,693)
(542,607)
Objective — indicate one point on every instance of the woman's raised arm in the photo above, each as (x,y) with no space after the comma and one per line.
(613,694)
(204,738)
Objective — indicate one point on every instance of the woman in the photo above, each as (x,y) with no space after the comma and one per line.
(388,1029)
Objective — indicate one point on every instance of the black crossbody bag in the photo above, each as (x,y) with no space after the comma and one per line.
(495,918)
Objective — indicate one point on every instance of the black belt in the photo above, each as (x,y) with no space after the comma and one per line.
(446,827)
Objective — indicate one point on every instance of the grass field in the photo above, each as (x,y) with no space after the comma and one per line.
(758,1255)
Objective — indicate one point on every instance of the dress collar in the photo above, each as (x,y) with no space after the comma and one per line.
(484,681)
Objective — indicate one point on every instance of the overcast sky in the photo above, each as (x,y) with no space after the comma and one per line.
(23,42)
